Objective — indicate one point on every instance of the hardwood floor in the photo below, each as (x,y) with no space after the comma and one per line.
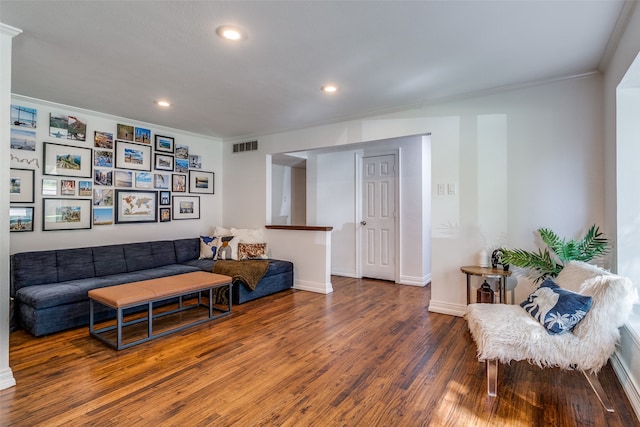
(370,354)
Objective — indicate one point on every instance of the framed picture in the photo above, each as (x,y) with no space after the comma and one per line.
(123,179)
(66,214)
(182,152)
(161,181)
(133,156)
(21,218)
(136,206)
(186,207)
(85,188)
(179,183)
(103,140)
(22,186)
(201,182)
(163,162)
(164,143)
(102,216)
(124,132)
(182,165)
(24,116)
(144,180)
(23,139)
(67,160)
(165,214)
(195,161)
(102,197)
(165,198)
(68,187)
(49,187)
(67,127)
(103,177)
(143,136)
(103,158)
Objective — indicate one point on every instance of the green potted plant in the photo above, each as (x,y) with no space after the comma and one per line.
(550,261)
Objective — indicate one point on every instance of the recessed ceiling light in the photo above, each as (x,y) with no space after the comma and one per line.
(164,103)
(329,88)
(230,32)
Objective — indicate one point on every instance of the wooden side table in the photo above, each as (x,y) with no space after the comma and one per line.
(487,272)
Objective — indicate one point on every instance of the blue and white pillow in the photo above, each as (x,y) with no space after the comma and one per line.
(207,247)
(556,308)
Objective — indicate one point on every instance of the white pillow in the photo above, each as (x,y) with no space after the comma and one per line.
(248,235)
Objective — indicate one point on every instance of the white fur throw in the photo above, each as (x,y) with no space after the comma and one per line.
(507,332)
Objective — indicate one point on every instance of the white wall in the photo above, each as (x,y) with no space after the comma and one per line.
(621,201)
(6,34)
(554,168)
(210,205)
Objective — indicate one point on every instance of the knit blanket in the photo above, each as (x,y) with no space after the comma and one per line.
(248,272)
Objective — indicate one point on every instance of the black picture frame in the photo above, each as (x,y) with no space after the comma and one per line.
(163,162)
(67,160)
(165,198)
(66,214)
(133,156)
(136,206)
(201,182)
(20,219)
(165,144)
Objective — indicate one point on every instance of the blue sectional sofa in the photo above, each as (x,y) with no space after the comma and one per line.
(50,287)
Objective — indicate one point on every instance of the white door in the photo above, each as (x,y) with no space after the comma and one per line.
(378,217)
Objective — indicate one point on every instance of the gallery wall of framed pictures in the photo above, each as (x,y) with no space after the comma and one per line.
(124,175)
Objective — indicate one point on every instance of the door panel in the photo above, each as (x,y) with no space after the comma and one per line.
(378,221)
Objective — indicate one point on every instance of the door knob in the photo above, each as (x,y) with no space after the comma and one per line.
(363,222)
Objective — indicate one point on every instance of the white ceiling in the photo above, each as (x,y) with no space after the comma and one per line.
(118,57)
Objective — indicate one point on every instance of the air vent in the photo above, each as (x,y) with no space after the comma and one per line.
(245,146)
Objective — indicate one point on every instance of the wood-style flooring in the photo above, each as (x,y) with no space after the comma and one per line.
(370,354)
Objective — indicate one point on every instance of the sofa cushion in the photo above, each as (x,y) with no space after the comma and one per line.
(74,264)
(277,266)
(138,256)
(556,308)
(56,294)
(33,268)
(187,249)
(163,253)
(201,264)
(109,260)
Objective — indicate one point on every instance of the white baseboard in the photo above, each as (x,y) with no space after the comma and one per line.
(628,385)
(447,308)
(344,274)
(321,288)
(6,379)
(415,281)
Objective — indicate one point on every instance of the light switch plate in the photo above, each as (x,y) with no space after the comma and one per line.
(451,188)
(441,189)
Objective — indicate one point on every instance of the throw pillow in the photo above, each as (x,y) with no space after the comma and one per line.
(557,309)
(207,247)
(252,251)
(224,251)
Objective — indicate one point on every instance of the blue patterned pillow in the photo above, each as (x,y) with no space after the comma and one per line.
(557,309)
(207,247)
